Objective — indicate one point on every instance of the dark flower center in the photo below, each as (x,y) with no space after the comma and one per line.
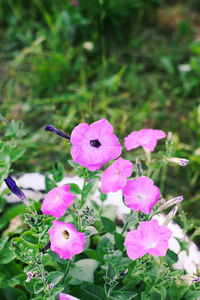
(95,143)
(66,234)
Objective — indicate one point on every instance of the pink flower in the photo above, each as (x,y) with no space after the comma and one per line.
(74,2)
(148,238)
(146,138)
(141,194)
(65,240)
(94,145)
(115,176)
(67,297)
(57,200)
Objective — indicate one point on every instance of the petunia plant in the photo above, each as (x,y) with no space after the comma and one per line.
(74,247)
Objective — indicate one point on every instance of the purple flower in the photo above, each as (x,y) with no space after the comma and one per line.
(115,176)
(30,276)
(94,145)
(66,241)
(11,184)
(57,200)
(147,138)
(57,132)
(141,194)
(148,238)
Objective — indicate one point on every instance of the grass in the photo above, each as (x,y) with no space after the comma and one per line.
(132,76)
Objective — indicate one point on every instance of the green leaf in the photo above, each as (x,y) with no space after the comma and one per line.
(2,203)
(74,188)
(3,241)
(38,286)
(119,240)
(91,253)
(55,277)
(90,230)
(91,291)
(13,211)
(74,164)
(95,205)
(58,172)
(108,224)
(14,293)
(170,258)
(7,254)
(110,271)
(103,196)
(90,188)
(30,238)
(56,257)
(30,285)
(162,291)
(176,292)
(49,183)
(125,295)
(16,154)
(83,270)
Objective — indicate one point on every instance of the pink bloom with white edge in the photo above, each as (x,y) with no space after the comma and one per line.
(67,297)
(148,238)
(115,176)
(57,200)
(94,145)
(147,138)
(65,240)
(141,194)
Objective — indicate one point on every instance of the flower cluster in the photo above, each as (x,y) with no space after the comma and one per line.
(93,146)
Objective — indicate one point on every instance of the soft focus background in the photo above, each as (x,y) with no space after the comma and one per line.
(137,63)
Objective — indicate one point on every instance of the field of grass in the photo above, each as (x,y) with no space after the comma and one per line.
(137,64)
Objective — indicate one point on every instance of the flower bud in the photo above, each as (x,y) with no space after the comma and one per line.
(180,161)
(170,215)
(57,132)
(169,203)
(11,184)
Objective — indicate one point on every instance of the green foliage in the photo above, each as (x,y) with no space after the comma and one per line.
(140,69)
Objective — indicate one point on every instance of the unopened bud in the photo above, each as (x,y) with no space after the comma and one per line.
(169,137)
(180,161)
(193,278)
(169,203)
(170,215)
(138,165)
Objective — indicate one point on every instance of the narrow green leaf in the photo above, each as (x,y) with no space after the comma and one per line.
(119,241)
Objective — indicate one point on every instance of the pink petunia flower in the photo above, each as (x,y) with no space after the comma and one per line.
(67,297)
(115,176)
(65,240)
(141,194)
(57,200)
(147,138)
(94,145)
(148,238)
(75,2)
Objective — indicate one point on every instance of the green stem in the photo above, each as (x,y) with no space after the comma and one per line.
(82,194)
(163,177)
(126,224)
(67,271)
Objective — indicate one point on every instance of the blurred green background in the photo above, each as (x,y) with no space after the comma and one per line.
(137,63)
